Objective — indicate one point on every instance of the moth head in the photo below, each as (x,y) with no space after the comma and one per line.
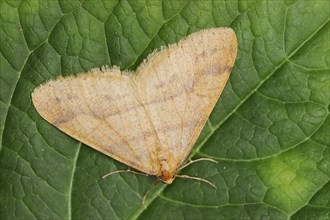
(167,177)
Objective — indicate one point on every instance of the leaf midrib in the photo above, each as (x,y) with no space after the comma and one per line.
(75,159)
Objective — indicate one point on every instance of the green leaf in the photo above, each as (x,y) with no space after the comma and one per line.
(269,131)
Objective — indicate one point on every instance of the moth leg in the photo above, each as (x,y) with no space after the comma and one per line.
(197,160)
(196,178)
(147,191)
(124,171)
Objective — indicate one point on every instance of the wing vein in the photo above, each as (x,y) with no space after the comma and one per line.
(104,121)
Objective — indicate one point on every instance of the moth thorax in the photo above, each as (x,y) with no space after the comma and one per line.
(167,170)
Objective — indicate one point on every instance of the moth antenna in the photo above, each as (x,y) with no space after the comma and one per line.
(198,160)
(196,178)
(124,171)
(147,191)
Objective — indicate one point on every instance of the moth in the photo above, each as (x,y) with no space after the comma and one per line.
(148,119)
